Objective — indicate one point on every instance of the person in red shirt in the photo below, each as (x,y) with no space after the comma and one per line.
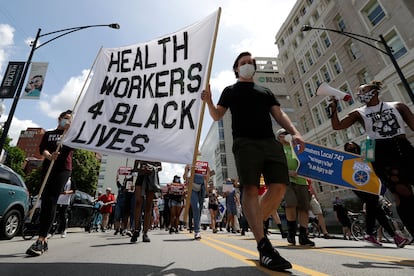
(108,199)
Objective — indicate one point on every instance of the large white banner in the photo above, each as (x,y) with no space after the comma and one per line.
(144,100)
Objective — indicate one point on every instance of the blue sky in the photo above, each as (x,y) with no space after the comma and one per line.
(245,25)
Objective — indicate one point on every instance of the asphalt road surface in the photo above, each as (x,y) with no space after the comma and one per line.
(224,253)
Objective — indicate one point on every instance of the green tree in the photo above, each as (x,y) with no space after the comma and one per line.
(15,158)
(85,170)
(33,181)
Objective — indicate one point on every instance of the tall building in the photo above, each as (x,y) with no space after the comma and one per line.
(217,146)
(29,141)
(309,58)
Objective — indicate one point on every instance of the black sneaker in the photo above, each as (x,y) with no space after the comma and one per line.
(45,247)
(291,239)
(145,238)
(135,236)
(37,248)
(270,258)
(304,240)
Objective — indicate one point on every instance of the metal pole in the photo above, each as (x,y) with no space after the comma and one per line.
(398,69)
(26,68)
(387,52)
(7,124)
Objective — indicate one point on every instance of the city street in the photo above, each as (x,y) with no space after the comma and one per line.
(82,253)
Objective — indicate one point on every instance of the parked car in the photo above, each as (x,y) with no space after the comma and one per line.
(14,202)
(79,215)
(80,210)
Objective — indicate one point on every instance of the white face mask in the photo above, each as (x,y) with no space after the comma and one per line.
(366,97)
(63,122)
(246,71)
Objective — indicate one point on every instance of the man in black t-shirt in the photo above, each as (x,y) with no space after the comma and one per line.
(256,150)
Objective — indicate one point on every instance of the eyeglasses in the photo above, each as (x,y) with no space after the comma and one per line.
(284,133)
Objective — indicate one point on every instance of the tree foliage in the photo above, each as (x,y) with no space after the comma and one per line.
(15,158)
(84,172)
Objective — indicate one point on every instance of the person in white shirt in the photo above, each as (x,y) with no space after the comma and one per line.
(63,204)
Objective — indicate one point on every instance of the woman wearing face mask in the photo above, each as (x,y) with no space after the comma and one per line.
(58,176)
(256,150)
(394,155)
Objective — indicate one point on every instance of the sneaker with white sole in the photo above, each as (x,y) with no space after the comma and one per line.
(63,235)
(37,248)
(197,236)
(270,257)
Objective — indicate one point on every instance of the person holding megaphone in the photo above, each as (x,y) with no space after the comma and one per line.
(393,153)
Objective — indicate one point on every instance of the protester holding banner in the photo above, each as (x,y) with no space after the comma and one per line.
(374,211)
(201,176)
(256,150)
(56,179)
(394,155)
(297,196)
(147,184)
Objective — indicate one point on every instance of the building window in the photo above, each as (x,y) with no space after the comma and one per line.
(309,58)
(317,116)
(309,90)
(340,22)
(353,50)
(374,12)
(326,40)
(316,81)
(302,67)
(298,99)
(326,74)
(396,44)
(304,123)
(316,50)
(363,76)
(335,65)
(292,77)
(315,15)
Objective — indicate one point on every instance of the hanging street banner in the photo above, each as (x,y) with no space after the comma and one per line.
(36,80)
(337,168)
(144,100)
(11,79)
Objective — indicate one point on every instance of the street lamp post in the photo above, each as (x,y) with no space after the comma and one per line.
(34,47)
(388,51)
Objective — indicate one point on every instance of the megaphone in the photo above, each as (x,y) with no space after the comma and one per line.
(325,90)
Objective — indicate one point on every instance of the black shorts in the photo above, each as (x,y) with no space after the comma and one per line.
(255,157)
(213,206)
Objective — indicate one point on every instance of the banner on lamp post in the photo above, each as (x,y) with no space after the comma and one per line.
(36,79)
(11,79)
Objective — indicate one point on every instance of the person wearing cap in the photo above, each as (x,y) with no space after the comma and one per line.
(297,196)
(256,150)
(108,199)
(384,123)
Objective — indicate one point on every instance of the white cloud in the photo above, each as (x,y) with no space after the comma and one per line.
(16,128)
(6,40)
(169,170)
(66,98)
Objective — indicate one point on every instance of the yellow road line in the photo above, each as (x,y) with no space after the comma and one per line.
(255,254)
(349,253)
